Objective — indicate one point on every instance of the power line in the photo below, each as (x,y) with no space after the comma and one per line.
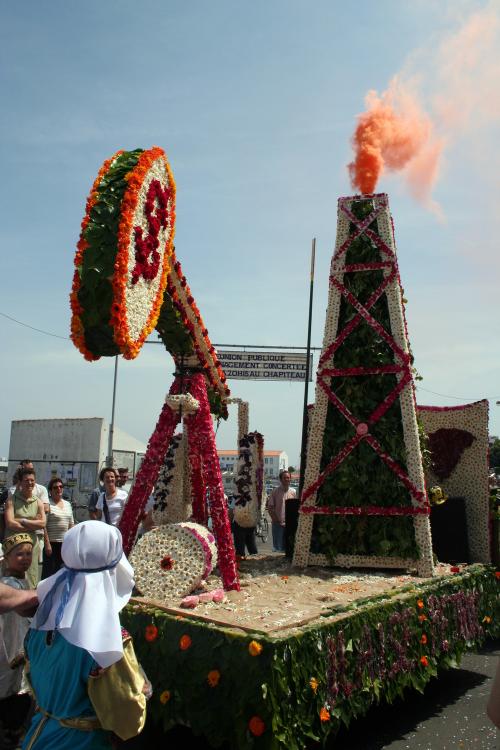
(39,330)
(246,346)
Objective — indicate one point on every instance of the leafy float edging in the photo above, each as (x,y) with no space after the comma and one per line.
(283,692)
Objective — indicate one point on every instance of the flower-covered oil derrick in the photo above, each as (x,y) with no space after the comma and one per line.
(364,499)
(458,442)
(172,561)
(123,254)
(172,497)
(185,335)
(249,481)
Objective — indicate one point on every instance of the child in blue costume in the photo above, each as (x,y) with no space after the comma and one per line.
(82,666)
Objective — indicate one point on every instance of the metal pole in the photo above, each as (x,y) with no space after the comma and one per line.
(306,387)
(109,460)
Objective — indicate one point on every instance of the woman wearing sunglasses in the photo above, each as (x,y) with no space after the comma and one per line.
(59,520)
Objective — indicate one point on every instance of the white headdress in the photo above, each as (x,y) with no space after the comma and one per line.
(83,599)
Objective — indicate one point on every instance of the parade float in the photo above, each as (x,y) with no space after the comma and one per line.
(277,655)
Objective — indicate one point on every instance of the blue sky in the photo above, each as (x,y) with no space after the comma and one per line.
(255,104)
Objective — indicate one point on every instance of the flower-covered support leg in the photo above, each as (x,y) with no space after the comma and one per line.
(148,473)
(198,486)
(202,439)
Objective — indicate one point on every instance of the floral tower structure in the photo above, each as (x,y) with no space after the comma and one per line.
(364,501)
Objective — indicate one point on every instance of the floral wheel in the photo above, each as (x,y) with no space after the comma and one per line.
(170,562)
(122,260)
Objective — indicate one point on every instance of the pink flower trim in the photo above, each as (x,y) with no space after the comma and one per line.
(363,311)
(453,408)
(348,371)
(356,319)
(353,267)
(206,549)
(198,486)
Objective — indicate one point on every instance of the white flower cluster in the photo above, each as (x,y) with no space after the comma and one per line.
(172,561)
(172,496)
(140,297)
(469,478)
(302,555)
(247,506)
(183,403)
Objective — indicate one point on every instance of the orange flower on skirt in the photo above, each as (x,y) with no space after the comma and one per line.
(213,677)
(256,726)
(151,633)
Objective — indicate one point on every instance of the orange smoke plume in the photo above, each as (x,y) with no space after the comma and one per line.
(393,134)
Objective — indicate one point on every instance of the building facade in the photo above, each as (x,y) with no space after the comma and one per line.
(274,462)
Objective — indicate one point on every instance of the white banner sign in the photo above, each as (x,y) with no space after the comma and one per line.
(264,365)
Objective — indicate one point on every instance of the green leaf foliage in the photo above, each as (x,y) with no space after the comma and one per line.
(172,330)
(359,654)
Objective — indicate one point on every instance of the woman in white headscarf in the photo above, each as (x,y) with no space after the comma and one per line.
(83,669)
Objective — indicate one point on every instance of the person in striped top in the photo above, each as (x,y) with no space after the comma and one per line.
(59,520)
